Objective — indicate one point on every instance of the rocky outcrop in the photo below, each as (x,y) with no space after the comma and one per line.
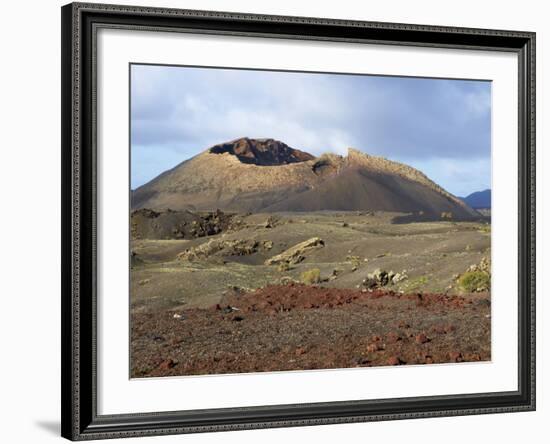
(296,253)
(236,247)
(381,278)
(484,266)
(170,224)
(264,152)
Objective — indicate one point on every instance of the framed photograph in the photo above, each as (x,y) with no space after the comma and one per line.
(282,221)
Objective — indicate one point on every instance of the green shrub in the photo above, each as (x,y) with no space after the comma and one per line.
(355,260)
(473,281)
(283,266)
(485,228)
(416,283)
(310,277)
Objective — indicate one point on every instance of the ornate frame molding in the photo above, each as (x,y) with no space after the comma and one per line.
(80,22)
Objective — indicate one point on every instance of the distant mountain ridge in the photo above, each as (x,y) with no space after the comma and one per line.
(479,199)
(265,175)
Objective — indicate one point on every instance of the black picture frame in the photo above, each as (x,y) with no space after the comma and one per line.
(79,390)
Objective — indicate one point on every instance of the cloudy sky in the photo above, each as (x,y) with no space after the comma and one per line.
(442,127)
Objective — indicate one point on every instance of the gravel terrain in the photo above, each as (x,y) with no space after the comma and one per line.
(380,291)
(299,327)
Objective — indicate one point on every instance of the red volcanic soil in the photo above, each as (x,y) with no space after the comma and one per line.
(298,327)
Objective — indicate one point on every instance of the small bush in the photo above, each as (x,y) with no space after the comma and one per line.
(485,228)
(473,281)
(355,260)
(310,277)
(283,266)
(416,283)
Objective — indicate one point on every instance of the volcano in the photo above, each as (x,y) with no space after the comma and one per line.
(266,175)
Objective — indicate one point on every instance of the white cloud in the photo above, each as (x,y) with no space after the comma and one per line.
(186,110)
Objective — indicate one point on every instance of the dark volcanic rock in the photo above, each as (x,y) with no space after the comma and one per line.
(421,338)
(394,360)
(264,152)
(167,364)
(170,224)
